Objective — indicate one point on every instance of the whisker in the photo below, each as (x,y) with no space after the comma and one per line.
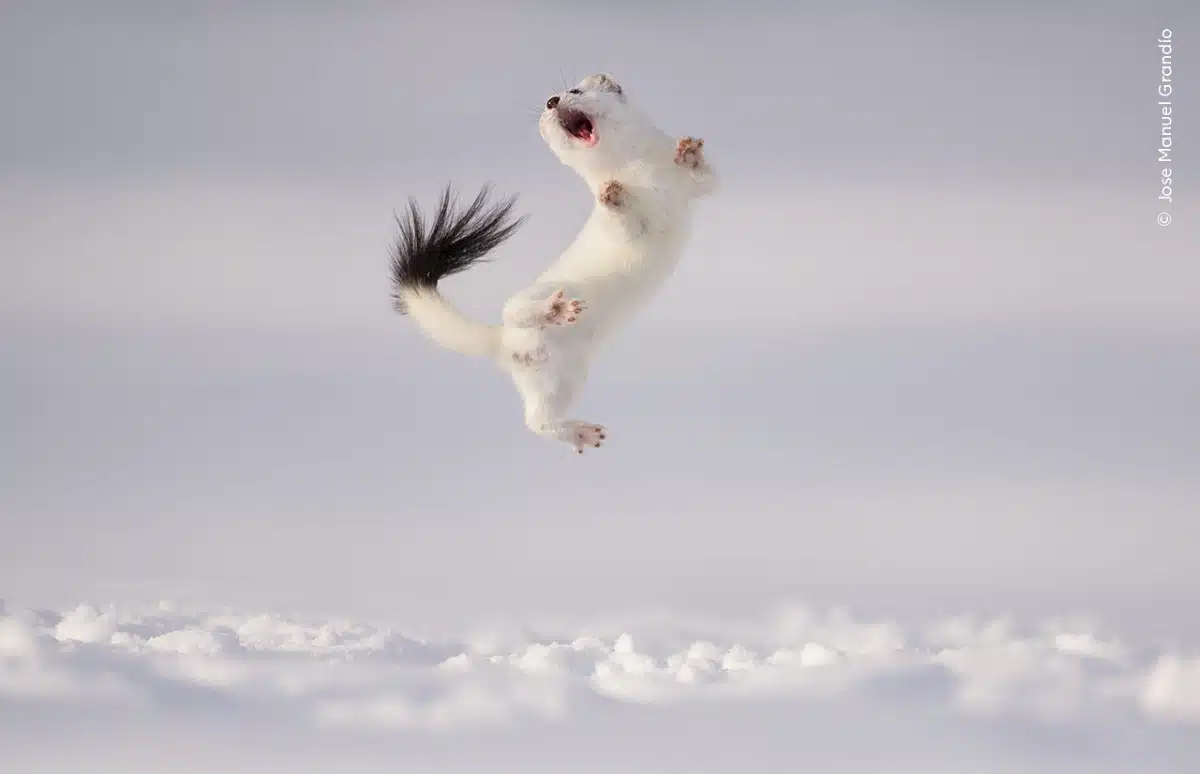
(528,109)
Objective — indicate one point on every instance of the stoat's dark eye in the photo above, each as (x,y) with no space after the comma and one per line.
(575,91)
(552,102)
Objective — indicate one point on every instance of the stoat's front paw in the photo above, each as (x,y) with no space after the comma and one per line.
(562,310)
(689,152)
(612,194)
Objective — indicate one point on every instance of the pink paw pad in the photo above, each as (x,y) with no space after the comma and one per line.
(689,152)
(612,194)
(563,310)
(530,359)
(585,435)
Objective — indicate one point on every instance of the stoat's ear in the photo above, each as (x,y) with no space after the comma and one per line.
(603,82)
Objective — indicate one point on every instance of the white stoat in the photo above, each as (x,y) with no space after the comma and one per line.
(644,182)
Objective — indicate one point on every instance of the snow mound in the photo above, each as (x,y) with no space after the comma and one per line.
(341,674)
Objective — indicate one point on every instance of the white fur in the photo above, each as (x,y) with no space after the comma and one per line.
(614,265)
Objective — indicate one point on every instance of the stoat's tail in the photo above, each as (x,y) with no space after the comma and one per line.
(453,242)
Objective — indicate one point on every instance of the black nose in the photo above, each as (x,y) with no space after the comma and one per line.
(552,103)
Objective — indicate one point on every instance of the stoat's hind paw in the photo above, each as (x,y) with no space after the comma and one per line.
(584,435)
(612,194)
(532,358)
(689,152)
(562,310)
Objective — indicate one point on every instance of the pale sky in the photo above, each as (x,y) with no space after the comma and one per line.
(928,339)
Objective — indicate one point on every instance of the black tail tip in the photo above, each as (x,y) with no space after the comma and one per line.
(452,241)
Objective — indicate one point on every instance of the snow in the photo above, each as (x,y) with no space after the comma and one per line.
(382,678)
(166,671)
(1171,691)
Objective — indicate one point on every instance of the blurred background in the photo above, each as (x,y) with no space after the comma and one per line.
(929,349)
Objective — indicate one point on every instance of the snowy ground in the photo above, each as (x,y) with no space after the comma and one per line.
(132,687)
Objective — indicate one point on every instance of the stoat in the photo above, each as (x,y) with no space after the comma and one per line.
(644,182)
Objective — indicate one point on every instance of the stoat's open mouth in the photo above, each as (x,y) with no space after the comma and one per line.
(578,125)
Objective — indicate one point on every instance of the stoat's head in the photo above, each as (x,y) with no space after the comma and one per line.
(593,128)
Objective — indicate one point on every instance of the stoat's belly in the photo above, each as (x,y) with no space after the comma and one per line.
(614,275)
